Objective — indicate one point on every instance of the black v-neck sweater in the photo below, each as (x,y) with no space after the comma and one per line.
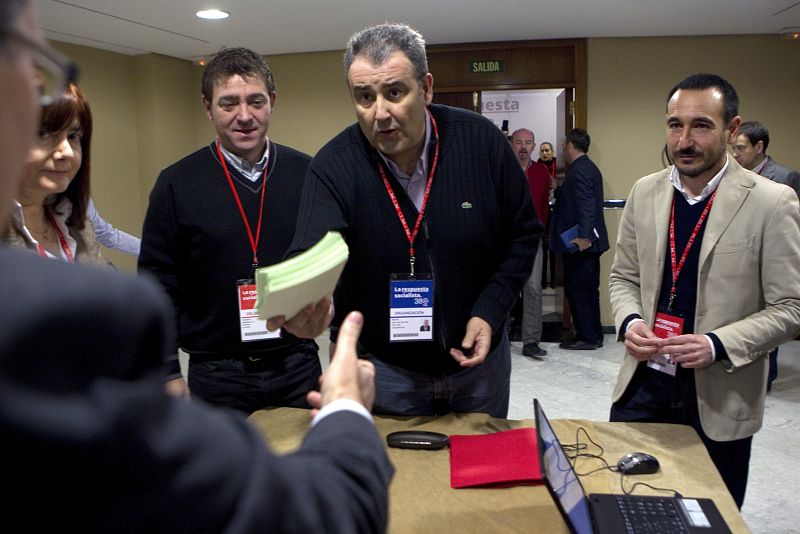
(195,243)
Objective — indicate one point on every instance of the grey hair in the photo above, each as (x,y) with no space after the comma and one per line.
(515,132)
(378,43)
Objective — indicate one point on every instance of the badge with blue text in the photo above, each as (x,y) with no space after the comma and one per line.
(411,307)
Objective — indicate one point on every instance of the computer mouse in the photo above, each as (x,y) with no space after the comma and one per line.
(638,463)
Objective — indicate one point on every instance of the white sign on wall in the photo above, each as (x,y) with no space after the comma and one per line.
(541,111)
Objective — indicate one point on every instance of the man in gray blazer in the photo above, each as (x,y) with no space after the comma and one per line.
(705,281)
(750,150)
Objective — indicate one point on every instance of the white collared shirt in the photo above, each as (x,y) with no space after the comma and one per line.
(414,184)
(710,187)
(251,172)
(61,213)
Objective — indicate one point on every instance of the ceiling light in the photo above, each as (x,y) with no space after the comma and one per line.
(791,34)
(213,14)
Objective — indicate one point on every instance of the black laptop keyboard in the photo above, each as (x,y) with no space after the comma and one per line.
(650,514)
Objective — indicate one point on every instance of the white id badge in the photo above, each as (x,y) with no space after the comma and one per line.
(251,327)
(411,307)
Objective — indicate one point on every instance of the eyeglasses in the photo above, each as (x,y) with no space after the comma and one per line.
(54,71)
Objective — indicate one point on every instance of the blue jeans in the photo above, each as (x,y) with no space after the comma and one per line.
(276,381)
(655,397)
(484,388)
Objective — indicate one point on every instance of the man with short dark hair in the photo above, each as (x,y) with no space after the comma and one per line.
(216,216)
(578,216)
(97,444)
(750,150)
(439,221)
(705,281)
(523,141)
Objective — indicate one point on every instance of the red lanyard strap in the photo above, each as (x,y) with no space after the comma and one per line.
(412,235)
(61,239)
(677,268)
(253,240)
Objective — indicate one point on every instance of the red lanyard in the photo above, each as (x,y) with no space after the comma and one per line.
(409,234)
(253,240)
(676,269)
(758,170)
(61,240)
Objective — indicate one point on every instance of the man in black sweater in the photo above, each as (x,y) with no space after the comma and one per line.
(439,221)
(213,218)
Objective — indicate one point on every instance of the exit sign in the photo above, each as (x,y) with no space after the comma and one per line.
(486,67)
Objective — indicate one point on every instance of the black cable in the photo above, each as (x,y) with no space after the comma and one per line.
(578,446)
(629,491)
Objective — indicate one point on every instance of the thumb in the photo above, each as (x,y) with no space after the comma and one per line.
(469,339)
(346,341)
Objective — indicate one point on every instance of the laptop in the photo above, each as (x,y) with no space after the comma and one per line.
(607,513)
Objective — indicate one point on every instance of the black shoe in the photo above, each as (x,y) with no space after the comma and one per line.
(578,345)
(533,350)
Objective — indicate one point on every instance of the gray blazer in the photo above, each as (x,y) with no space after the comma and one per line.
(782,175)
(748,287)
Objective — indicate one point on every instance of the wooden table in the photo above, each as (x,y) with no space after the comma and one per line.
(421,499)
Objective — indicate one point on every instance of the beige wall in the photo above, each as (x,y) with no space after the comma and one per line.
(108,80)
(148,112)
(143,121)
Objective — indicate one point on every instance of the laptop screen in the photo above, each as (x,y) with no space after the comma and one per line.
(560,475)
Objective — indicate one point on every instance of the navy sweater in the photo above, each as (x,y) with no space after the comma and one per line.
(195,243)
(685,303)
(478,239)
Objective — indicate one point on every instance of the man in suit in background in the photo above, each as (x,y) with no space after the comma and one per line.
(705,281)
(750,150)
(578,211)
(97,443)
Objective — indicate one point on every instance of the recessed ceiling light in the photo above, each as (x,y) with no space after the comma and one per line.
(791,33)
(213,14)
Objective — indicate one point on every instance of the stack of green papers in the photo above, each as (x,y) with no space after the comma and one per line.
(287,287)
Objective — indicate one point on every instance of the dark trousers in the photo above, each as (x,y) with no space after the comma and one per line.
(484,388)
(582,289)
(655,397)
(249,385)
(773,368)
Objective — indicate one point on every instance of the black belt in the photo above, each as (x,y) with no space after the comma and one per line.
(255,355)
